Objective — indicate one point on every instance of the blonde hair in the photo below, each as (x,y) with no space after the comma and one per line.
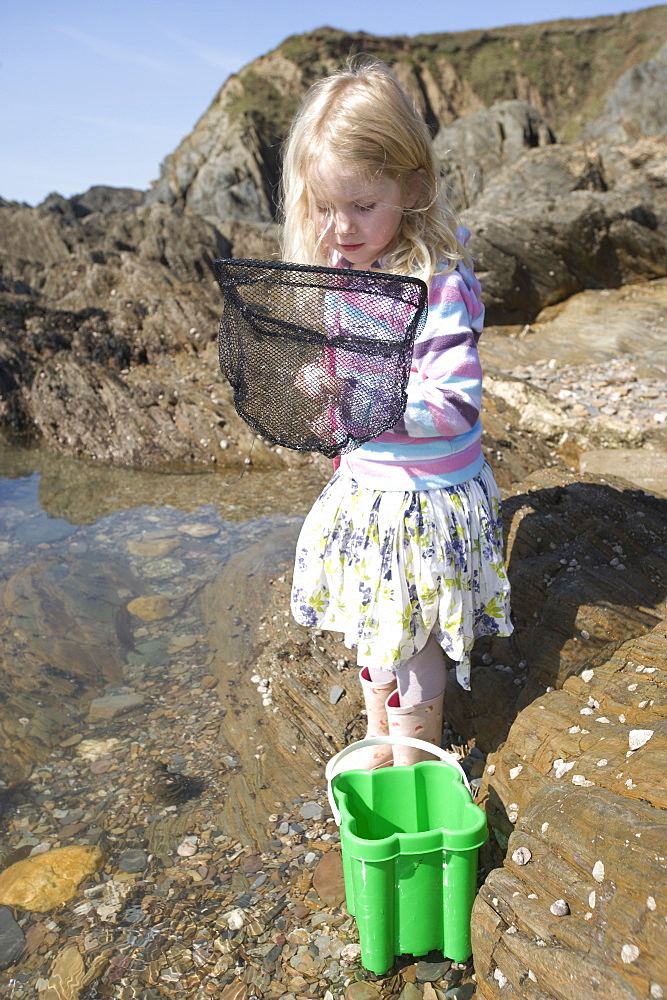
(363,117)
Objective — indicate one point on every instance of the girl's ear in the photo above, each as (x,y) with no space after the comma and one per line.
(415,187)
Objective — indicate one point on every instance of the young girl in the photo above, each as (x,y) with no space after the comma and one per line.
(402,552)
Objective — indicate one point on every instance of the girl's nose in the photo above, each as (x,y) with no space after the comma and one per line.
(344,224)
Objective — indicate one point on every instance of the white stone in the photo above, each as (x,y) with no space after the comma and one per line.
(561,768)
(499,978)
(591,899)
(516,771)
(580,779)
(598,871)
(587,675)
(491,769)
(545,827)
(656,991)
(629,953)
(235,919)
(602,762)
(638,737)
(650,902)
(187,847)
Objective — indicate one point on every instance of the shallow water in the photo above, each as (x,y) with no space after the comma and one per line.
(78,544)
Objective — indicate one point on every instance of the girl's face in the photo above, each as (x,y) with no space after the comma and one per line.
(354,215)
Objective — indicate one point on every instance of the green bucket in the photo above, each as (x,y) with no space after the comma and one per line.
(410,837)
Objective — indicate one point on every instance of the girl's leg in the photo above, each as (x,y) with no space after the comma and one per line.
(375,690)
(420,679)
(415,708)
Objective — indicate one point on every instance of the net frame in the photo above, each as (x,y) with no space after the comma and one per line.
(388,338)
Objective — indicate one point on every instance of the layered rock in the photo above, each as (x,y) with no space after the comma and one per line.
(579,904)
(587,564)
(108,346)
(562,219)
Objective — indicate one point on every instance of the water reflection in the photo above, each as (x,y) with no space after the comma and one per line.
(82,491)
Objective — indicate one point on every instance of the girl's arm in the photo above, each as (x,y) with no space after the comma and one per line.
(445,388)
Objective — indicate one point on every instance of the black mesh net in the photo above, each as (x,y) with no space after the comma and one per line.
(318,357)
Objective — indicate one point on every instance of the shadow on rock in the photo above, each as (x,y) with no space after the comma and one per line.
(588,567)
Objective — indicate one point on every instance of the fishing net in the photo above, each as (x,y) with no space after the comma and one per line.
(318,357)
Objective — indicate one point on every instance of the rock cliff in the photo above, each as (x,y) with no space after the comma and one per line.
(228,166)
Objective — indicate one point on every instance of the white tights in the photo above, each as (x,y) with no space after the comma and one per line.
(421,678)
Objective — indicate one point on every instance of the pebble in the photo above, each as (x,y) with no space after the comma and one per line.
(335,694)
(311,810)
(109,706)
(235,919)
(610,388)
(560,908)
(521,856)
(200,530)
(187,848)
(361,991)
(133,861)
(150,609)
(12,940)
(430,972)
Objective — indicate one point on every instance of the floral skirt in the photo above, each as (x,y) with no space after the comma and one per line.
(388,568)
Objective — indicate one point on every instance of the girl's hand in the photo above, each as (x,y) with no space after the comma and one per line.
(309,379)
(314,381)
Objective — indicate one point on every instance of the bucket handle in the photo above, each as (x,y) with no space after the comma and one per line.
(373,741)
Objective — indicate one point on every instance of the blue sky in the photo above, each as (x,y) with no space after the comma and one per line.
(99,93)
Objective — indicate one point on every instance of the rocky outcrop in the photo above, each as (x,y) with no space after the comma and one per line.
(110,320)
(109,328)
(562,219)
(636,106)
(227,168)
(576,797)
(477,146)
(99,198)
(588,571)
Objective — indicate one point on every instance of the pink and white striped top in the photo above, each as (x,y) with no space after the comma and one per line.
(438,440)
